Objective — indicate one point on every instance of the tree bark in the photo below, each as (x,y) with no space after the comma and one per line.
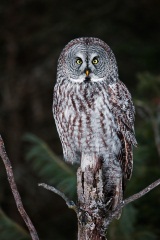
(91,208)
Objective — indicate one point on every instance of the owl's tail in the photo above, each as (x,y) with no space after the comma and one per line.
(113,192)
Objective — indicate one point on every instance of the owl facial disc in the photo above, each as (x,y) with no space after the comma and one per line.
(89,60)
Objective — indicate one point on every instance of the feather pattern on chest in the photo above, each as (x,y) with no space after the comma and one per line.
(87,119)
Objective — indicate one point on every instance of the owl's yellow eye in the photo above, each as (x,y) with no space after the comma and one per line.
(79,61)
(95,60)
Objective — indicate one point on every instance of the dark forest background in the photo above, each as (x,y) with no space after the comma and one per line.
(32,35)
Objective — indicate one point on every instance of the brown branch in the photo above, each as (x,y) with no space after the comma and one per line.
(15,192)
(69,203)
(131,199)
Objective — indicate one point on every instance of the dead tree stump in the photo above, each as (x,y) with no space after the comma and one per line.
(91,208)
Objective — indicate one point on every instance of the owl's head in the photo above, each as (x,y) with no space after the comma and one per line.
(88,60)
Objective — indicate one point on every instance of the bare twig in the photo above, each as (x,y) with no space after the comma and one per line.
(131,199)
(15,192)
(69,203)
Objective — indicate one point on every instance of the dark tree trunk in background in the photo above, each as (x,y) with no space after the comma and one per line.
(91,207)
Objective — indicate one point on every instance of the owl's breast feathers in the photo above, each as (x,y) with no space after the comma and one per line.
(96,117)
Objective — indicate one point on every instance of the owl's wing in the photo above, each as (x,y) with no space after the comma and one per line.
(69,153)
(58,113)
(123,111)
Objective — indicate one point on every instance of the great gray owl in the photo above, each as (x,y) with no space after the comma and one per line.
(94,113)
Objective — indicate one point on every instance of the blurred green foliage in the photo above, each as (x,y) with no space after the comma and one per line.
(49,167)
(10,230)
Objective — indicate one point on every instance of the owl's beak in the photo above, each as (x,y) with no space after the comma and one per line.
(87,78)
(87,72)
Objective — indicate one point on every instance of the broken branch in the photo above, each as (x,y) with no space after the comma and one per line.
(69,203)
(131,199)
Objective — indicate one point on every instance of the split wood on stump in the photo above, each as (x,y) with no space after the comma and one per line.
(91,207)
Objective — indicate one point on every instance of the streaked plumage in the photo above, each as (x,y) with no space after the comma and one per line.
(94,112)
